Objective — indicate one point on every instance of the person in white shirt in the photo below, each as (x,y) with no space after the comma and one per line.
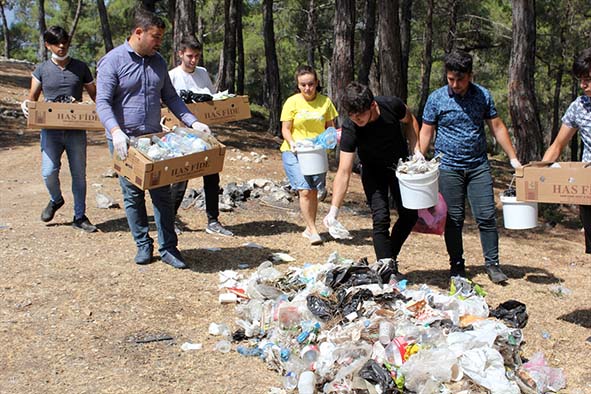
(188,76)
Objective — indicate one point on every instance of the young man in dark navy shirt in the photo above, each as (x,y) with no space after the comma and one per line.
(374,130)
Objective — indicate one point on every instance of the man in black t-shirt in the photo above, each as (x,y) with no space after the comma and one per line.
(374,130)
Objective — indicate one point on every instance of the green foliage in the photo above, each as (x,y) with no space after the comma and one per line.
(483,27)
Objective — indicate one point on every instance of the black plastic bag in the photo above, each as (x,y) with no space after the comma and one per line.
(320,307)
(374,373)
(511,312)
(355,275)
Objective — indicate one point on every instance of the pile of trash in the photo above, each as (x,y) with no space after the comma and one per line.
(418,165)
(325,140)
(348,326)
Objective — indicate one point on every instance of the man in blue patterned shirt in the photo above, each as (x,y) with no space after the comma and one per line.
(458,112)
(578,117)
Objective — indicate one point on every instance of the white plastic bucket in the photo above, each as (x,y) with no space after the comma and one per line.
(419,191)
(313,161)
(519,215)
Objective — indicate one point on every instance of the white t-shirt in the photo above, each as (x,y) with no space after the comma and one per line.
(198,81)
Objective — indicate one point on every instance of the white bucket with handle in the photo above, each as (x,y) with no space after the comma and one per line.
(519,215)
(313,161)
(419,191)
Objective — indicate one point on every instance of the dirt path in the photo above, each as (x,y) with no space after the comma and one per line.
(74,304)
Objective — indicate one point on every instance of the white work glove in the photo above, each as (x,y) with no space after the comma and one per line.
(331,216)
(293,147)
(202,127)
(418,155)
(515,163)
(120,141)
(24,108)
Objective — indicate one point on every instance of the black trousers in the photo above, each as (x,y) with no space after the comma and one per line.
(585,211)
(211,188)
(378,184)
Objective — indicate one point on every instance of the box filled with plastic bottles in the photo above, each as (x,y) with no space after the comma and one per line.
(63,116)
(213,112)
(560,182)
(161,159)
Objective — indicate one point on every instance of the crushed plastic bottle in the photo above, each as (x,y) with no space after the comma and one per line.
(249,351)
(327,139)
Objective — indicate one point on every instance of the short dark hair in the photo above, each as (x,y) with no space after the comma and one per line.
(145,19)
(56,35)
(305,69)
(582,64)
(459,62)
(190,43)
(357,98)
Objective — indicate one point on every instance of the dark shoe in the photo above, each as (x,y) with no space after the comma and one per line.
(495,274)
(387,268)
(457,269)
(217,228)
(50,210)
(170,259)
(84,224)
(177,228)
(144,254)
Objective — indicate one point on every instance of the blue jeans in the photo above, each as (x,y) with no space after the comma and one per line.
(53,145)
(137,216)
(477,185)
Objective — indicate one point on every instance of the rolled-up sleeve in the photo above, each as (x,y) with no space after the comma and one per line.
(175,103)
(107,82)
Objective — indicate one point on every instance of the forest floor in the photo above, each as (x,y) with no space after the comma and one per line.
(74,304)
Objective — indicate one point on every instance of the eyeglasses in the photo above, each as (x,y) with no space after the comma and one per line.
(584,80)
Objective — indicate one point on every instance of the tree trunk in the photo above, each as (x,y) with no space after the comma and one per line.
(312,33)
(367,42)
(226,79)
(556,104)
(200,36)
(427,59)
(272,69)
(184,24)
(450,39)
(42,53)
(105,26)
(405,27)
(76,19)
(390,50)
(5,30)
(342,55)
(574,142)
(239,49)
(522,100)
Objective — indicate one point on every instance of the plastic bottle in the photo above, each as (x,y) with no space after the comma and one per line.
(164,145)
(328,138)
(223,346)
(386,332)
(249,351)
(307,383)
(309,355)
(308,327)
(290,381)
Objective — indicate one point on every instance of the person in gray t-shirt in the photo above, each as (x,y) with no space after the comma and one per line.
(59,77)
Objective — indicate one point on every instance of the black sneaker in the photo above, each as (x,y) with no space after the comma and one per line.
(495,273)
(217,228)
(50,210)
(84,224)
(457,269)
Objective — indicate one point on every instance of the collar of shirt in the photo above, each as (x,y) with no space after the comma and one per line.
(130,49)
(451,93)
(586,101)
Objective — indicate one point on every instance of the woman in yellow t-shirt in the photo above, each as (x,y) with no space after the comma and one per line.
(306,114)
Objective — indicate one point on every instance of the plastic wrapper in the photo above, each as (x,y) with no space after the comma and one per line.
(545,377)
(432,220)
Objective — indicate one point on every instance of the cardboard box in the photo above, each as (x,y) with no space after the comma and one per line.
(148,174)
(569,184)
(213,112)
(64,116)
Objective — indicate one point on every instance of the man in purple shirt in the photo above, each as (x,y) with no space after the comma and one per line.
(132,79)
